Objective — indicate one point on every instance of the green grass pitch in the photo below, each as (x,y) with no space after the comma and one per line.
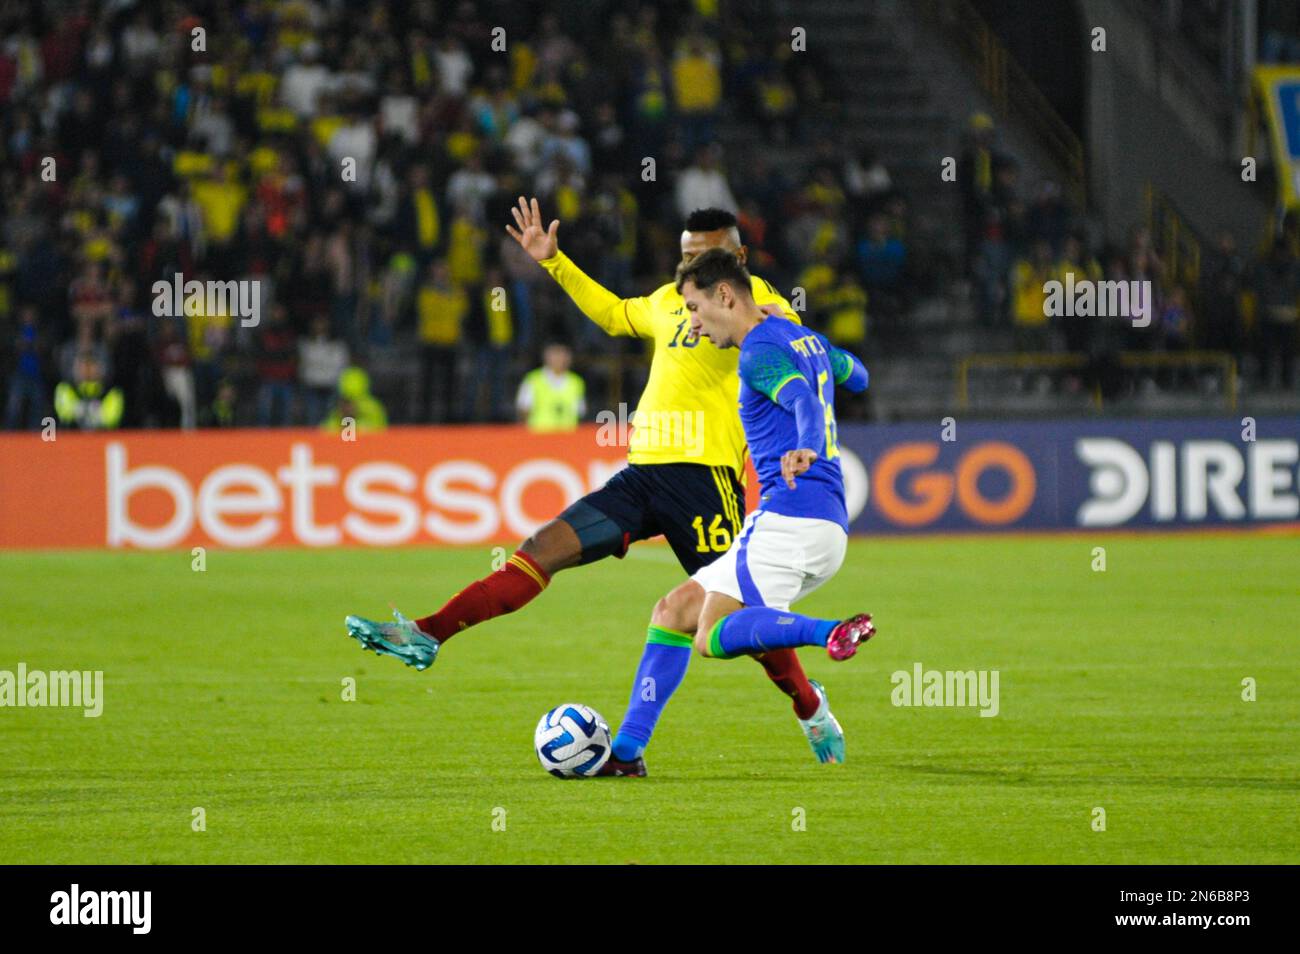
(1119,690)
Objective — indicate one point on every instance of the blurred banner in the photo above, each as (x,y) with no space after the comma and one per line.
(249,488)
(1279,87)
(473,485)
(1071,474)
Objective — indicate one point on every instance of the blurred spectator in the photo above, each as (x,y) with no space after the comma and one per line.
(221,412)
(173,357)
(552,397)
(561,143)
(1029,298)
(1048,218)
(442,308)
(525,279)
(846,310)
(975,181)
(613,217)
(882,258)
(1223,283)
(1175,332)
(470,187)
(339,257)
(703,185)
(84,402)
(491,335)
(697,89)
(356,403)
(1277,288)
(134,372)
(1074,261)
(87,341)
(454,67)
(466,240)
(608,140)
(775,99)
(321,360)
(90,297)
(882,263)
(209,335)
(26,402)
(276,370)
(867,181)
(417,223)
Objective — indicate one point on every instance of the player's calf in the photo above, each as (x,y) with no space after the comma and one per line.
(680,609)
(760,629)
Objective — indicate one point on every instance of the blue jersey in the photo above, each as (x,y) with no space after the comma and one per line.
(787,402)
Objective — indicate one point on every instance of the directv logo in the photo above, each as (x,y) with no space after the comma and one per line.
(102,907)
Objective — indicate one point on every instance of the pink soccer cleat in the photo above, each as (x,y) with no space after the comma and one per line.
(844,639)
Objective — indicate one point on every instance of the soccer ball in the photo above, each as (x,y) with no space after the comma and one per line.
(572,741)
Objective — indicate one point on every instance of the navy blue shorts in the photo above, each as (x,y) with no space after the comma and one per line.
(697,508)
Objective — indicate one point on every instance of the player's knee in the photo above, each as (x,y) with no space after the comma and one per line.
(554,547)
(702,643)
(663,614)
(676,611)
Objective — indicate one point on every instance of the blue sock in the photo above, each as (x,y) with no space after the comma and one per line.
(757,629)
(663,666)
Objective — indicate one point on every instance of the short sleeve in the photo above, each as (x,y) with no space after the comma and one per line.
(767,368)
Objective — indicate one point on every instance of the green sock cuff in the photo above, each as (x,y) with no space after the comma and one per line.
(663,636)
(715,641)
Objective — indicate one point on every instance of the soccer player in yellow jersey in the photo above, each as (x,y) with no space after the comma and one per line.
(686,459)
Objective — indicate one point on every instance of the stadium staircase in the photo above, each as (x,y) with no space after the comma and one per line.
(911,73)
(908,95)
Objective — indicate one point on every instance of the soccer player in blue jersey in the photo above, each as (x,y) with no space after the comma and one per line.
(796,539)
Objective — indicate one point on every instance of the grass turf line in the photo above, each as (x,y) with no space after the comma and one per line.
(1119,690)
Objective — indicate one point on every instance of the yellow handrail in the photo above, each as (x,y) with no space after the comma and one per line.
(1176,241)
(1009,87)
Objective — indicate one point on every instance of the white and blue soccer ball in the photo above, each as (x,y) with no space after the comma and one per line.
(572,741)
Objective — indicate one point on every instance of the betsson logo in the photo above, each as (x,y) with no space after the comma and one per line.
(464,489)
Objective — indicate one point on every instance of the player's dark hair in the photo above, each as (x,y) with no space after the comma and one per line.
(713,266)
(710,220)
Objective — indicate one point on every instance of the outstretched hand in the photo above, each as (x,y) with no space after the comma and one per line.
(538,242)
(796,462)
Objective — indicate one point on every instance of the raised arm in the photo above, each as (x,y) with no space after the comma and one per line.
(769,370)
(849,371)
(615,316)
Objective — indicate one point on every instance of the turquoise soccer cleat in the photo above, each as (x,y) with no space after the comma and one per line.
(823,730)
(402,639)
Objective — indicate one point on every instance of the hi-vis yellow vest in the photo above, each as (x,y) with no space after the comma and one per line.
(554,408)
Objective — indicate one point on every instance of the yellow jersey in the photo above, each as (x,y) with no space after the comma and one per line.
(689,411)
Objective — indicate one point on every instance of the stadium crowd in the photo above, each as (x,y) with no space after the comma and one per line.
(1242,302)
(358,161)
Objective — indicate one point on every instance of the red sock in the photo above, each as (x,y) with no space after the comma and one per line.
(784,669)
(508,589)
